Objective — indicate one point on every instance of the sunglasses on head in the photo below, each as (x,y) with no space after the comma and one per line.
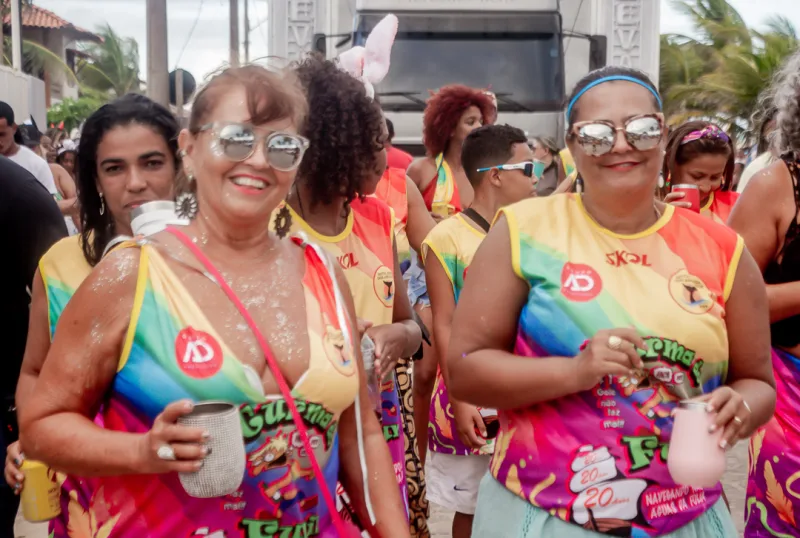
(529,168)
(597,137)
(238,142)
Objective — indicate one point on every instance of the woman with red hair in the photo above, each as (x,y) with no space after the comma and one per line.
(451,114)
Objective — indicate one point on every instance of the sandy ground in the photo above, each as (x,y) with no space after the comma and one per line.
(735,482)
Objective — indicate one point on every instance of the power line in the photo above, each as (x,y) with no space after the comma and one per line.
(191,32)
(574,23)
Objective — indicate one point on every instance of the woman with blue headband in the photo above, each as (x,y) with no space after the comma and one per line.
(587,318)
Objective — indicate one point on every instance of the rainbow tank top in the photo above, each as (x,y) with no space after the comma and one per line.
(365,253)
(392,191)
(279,495)
(63,268)
(598,458)
(441,194)
(719,206)
(453,242)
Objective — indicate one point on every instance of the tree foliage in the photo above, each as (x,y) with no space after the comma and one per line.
(721,72)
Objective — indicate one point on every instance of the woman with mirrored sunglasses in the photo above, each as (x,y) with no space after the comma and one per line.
(616,307)
(220,309)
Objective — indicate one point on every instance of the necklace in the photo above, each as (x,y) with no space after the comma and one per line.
(655,210)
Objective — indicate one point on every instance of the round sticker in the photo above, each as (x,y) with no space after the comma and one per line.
(580,282)
(383,283)
(691,293)
(198,354)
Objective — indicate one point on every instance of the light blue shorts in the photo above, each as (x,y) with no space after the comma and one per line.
(501,514)
(416,286)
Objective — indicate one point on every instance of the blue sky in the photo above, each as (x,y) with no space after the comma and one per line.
(208,47)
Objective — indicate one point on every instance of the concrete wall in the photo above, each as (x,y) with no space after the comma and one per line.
(25,94)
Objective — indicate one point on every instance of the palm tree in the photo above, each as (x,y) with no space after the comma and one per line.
(36,58)
(720,74)
(112,66)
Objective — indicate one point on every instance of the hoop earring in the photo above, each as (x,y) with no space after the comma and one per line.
(186,202)
(102,204)
(283,220)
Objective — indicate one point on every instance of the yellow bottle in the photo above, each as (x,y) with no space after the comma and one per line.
(41,494)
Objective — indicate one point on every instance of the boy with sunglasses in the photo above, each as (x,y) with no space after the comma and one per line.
(500,166)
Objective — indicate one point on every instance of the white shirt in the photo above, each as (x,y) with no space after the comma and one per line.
(37,166)
(760,162)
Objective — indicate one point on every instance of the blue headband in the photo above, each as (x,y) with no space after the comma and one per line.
(611,79)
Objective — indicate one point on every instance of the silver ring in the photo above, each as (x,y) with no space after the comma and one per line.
(738,421)
(744,403)
(615,342)
(166,453)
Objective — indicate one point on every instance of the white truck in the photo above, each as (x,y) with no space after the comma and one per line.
(528,52)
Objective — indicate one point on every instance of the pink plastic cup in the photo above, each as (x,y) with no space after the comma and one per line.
(695,458)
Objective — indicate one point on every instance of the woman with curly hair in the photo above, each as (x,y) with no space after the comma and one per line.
(450,115)
(344,163)
(767,216)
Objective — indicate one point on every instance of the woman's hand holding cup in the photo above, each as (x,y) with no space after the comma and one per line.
(610,352)
(171,447)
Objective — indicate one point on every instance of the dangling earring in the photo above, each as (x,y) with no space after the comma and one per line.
(186,202)
(661,181)
(283,220)
(579,185)
(102,204)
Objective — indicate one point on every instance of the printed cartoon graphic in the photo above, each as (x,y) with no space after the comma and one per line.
(206,533)
(281,491)
(383,284)
(691,293)
(651,404)
(336,348)
(605,500)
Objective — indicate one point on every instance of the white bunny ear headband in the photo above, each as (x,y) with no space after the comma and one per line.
(370,63)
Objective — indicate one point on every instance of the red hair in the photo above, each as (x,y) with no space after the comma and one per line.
(443,111)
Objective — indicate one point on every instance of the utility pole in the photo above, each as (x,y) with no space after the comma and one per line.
(246,31)
(234,33)
(157,52)
(16,35)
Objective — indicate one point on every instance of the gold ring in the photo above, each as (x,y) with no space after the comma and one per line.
(737,420)
(615,342)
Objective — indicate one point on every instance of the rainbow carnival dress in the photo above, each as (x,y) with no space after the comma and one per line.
(597,459)
(279,495)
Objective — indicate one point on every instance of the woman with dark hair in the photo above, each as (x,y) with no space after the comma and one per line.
(702,154)
(768,217)
(67,156)
(148,334)
(595,293)
(130,157)
(344,163)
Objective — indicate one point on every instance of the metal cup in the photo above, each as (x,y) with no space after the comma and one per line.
(223,469)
